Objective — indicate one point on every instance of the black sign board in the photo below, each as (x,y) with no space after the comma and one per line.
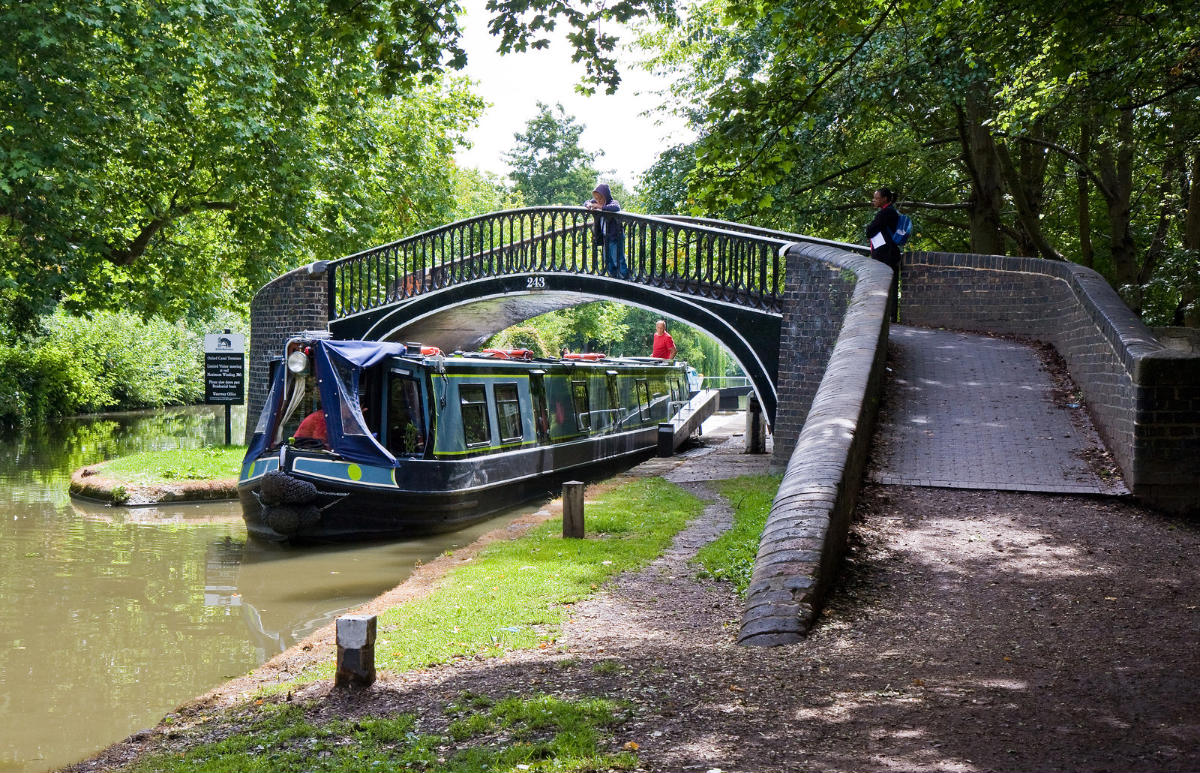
(224,369)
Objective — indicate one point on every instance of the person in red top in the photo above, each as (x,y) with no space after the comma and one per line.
(313,427)
(664,345)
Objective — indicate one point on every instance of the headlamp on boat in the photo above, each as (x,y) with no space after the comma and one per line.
(297,362)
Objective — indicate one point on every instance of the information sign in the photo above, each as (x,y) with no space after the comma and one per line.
(224,368)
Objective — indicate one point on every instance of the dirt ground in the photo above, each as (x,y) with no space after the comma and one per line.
(969,631)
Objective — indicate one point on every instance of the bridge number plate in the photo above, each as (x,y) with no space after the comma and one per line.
(535,282)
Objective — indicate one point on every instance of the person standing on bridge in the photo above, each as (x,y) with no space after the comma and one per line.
(664,344)
(883,246)
(609,231)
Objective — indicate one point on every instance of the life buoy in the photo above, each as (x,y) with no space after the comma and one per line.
(499,354)
(430,351)
(519,354)
(586,356)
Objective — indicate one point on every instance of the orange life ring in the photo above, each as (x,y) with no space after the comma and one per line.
(499,354)
(430,351)
(520,354)
(586,356)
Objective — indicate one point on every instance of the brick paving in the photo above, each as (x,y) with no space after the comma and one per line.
(969,411)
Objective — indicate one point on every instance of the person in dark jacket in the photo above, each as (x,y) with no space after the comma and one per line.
(610,232)
(883,225)
(883,247)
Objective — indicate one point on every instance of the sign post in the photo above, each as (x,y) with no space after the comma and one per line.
(225,373)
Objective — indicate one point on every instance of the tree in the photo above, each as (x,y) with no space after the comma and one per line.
(548,164)
(170,157)
(1013,127)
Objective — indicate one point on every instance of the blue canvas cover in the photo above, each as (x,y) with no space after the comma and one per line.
(339,366)
(261,439)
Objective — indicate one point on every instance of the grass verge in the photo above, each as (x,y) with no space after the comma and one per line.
(731,556)
(516,593)
(180,464)
(536,733)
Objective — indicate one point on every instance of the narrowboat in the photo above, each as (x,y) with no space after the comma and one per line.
(367,440)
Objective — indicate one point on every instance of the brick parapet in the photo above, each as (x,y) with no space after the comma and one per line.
(288,305)
(1142,394)
(805,534)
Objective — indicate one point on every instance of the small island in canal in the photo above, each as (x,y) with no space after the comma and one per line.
(153,477)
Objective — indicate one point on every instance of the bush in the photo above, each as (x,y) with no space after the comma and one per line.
(110,361)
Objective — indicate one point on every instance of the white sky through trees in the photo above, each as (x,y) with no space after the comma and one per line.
(514,83)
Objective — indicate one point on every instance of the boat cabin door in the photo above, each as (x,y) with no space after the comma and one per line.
(406,430)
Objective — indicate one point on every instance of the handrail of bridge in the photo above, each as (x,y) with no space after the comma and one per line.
(768,232)
(691,257)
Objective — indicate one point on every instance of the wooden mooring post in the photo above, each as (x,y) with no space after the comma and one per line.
(572,497)
(756,428)
(355,651)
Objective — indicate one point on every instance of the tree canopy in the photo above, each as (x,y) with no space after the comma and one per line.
(549,166)
(1061,131)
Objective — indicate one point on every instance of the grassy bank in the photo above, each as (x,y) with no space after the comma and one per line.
(180,474)
(731,556)
(516,593)
(511,595)
(172,466)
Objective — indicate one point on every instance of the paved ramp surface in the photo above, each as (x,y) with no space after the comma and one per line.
(970,411)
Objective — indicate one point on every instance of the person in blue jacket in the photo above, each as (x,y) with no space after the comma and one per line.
(609,231)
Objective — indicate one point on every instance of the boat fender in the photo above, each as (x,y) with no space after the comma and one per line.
(287,519)
(279,488)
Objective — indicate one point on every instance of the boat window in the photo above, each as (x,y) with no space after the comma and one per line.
(353,417)
(579,395)
(405,419)
(541,416)
(473,401)
(643,398)
(614,401)
(508,412)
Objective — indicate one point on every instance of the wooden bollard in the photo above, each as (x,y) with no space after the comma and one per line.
(572,496)
(355,651)
(756,435)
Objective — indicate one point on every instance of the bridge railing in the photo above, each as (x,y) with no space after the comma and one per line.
(689,257)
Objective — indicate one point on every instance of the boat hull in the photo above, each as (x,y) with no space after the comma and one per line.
(428,496)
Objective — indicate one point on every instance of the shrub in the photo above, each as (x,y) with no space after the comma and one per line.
(112,360)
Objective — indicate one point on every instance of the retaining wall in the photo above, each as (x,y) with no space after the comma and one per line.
(1143,395)
(289,304)
(805,534)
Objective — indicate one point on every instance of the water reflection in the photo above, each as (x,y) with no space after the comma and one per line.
(111,617)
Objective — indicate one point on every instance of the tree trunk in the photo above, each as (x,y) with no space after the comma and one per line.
(1025,185)
(1116,172)
(1087,253)
(1189,301)
(987,192)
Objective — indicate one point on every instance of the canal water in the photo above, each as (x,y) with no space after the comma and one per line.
(112,617)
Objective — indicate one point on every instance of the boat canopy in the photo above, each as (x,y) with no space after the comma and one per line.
(338,366)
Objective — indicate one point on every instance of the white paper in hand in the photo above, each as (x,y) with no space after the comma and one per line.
(878,241)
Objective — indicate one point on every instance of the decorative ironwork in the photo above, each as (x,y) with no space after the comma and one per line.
(682,256)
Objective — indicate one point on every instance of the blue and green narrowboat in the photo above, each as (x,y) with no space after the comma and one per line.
(368,440)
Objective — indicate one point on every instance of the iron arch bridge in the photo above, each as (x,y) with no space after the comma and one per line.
(457,285)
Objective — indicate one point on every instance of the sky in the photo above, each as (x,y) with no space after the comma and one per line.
(514,83)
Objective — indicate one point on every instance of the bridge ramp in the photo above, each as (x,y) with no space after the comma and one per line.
(975,412)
